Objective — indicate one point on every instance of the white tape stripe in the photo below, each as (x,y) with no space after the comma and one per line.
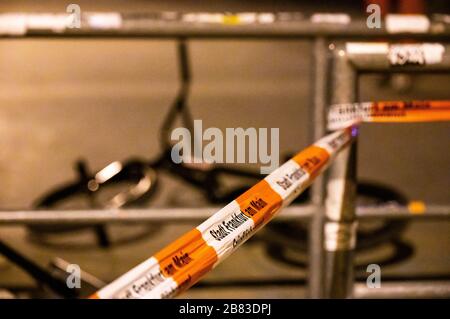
(145,269)
(286,179)
(165,290)
(229,244)
(218,216)
(220,230)
(333,142)
(344,115)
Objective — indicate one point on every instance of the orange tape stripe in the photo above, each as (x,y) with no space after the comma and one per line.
(412,105)
(415,117)
(388,112)
(260,203)
(312,159)
(189,252)
(410,111)
(203,261)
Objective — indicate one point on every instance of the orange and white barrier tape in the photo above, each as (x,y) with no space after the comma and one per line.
(344,115)
(183,262)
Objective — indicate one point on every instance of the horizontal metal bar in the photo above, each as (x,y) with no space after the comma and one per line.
(402,212)
(195,215)
(151,25)
(389,289)
(177,215)
(408,289)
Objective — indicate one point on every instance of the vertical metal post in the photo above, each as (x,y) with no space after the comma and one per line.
(315,269)
(340,223)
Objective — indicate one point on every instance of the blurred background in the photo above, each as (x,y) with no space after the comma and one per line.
(105,99)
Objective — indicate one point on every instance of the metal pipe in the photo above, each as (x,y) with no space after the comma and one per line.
(340,217)
(407,289)
(402,212)
(40,274)
(154,25)
(155,215)
(340,226)
(315,234)
(404,288)
(196,215)
(348,61)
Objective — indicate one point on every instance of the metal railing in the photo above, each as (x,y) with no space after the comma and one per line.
(347,65)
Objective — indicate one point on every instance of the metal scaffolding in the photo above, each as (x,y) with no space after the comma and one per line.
(348,64)
(330,265)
